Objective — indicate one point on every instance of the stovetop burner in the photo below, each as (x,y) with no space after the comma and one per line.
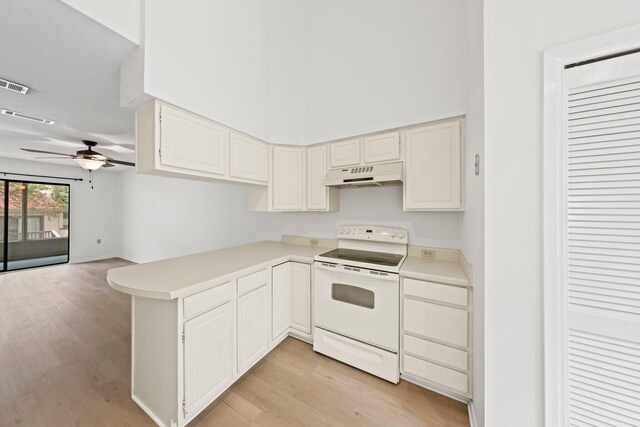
(377,258)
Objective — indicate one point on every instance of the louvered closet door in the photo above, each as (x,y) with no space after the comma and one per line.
(602,244)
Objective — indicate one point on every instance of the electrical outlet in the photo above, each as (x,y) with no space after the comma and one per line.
(99,241)
(428,253)
(313,242)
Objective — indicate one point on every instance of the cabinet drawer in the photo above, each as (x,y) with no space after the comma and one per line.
(206,300)
(436,291)
(445,324)
(253,281)
(439,375)
(436,352)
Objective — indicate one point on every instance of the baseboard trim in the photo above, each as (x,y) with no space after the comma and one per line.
(473,421)
(442,391)
(126,258)
(90,259)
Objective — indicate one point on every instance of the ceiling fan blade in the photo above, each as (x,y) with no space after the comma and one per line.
(120,162)
(108,165)
(51,157)
(46,152)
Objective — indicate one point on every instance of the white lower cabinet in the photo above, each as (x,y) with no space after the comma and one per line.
(301,297)
(280,299)
(208,356)
(436,341)
(254,332)
(291,302)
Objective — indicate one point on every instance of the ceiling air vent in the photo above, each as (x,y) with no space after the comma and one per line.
(15,87)
(26,116)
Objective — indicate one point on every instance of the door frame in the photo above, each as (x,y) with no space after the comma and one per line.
(555,60)
(5,219)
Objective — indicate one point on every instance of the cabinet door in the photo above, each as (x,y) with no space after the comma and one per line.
(208,352)
(280,299)
(248,158)
(301,297)
(344,153)
(254,320)
(191,142)
(382,148)
(288,178)
(433,177)
(316,173)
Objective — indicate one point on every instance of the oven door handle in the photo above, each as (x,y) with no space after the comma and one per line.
(356,271)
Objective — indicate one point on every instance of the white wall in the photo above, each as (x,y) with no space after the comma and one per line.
(379,64)
(372,205)
(210,57)
(121,16)
(472,221)
(516,34)
(94,213)
(299,72)
(168,217)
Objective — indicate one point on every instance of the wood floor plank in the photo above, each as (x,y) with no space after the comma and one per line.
(65,358)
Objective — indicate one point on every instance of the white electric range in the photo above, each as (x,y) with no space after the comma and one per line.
(357,299)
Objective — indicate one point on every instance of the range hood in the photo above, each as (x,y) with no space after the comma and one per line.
(364,176)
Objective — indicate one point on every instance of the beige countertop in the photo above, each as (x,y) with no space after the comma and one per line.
(434,270)
(178,277)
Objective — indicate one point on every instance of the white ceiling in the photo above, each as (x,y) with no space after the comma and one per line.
(72,65)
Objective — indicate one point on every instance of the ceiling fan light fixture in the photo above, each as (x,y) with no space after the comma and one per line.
(89,164)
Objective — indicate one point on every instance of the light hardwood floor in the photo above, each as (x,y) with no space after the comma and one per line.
(65,360)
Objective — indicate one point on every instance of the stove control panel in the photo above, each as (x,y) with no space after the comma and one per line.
(373,233)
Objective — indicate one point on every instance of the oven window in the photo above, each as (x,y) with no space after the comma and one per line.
(352,295)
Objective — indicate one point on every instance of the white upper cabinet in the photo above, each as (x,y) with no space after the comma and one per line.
(191,142)
(288,177)
(433,167)
(383,147)
(344,153)
(248,158)
(318,196)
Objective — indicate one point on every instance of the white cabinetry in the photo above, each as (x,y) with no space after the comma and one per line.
(208,356)
(191,142)
(318,196)
(248,158)
(296,182)
(291,301)
(254,317)
(280,299)
(301,297)
(171,141)
(344,153)
(433,167)
(384,147)
(435,335)
(288,169)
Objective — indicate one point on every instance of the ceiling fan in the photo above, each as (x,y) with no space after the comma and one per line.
(88,159)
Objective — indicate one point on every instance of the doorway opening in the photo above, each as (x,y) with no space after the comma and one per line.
(34,230)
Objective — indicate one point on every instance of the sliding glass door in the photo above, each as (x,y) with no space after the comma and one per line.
(35,226)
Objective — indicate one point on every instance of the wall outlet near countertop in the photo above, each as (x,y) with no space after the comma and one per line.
(428,253)
(313,242)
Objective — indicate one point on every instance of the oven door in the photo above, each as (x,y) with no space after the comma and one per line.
(358,303)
